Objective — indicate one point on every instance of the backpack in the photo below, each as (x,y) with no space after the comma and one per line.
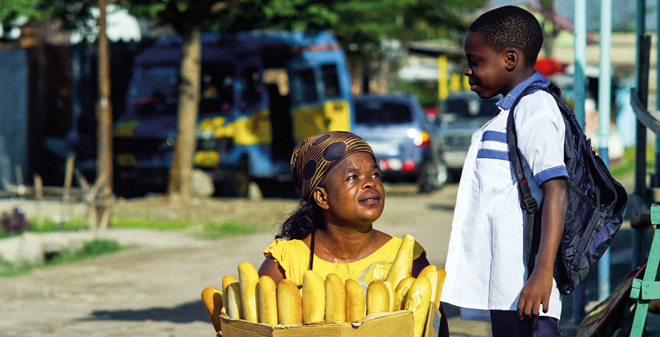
(595,207)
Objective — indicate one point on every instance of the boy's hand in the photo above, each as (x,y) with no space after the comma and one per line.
(538,288)
(535,293)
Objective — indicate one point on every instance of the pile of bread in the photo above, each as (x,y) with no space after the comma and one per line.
(259,300)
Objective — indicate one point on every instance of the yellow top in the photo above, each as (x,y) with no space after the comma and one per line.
(293,257)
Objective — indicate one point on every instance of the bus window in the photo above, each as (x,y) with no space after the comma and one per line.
(217,89)
(251,94)
(306,85)
(330,80)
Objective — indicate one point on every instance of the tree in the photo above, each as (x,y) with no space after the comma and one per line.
(548,12)
(187,17)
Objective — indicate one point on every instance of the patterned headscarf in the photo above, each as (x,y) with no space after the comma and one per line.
(314,158)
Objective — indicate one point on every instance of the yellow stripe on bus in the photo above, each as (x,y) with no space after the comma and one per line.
(311,120)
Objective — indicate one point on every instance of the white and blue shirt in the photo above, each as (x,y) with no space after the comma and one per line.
(485,264)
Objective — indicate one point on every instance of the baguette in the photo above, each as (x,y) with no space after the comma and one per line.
(248,278)
(355,301)
(401,291)
(401,267)
(212,298)
(313,296)
(335,299)
(234,303)
(289,303)
(226,281)
(418,301)
(431,273)
(267,301)
(378,297)
(441,282)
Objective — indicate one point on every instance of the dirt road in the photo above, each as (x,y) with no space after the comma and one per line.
(154,289)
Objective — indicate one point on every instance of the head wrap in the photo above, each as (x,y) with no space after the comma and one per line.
(314,158)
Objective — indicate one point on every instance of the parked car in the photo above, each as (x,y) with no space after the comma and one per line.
(460,115)
(403,139)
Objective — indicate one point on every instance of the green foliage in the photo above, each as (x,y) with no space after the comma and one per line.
(426,91)
(626,166)
(69,13)
(360,22)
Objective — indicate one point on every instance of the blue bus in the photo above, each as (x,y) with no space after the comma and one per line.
(261,94)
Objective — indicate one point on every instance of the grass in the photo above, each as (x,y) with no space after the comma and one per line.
(210,230)
(626,166)
(214,231)
(90,249)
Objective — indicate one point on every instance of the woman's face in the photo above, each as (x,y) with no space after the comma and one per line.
(354,191)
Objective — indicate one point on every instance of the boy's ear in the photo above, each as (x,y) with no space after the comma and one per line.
(321,197)
(512,59)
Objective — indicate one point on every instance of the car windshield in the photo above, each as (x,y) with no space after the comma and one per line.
(469,107)
(382,113)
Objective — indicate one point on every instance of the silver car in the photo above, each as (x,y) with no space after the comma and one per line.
(460,115)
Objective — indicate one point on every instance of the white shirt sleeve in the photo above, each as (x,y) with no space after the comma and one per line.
(540,128)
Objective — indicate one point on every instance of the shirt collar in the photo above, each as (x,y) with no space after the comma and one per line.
(536,79)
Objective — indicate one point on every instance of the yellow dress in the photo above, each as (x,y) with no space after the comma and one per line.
(293,257)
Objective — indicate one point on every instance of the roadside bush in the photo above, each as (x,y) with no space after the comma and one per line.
(14,222)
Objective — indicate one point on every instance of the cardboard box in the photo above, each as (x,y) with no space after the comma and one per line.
(391,324)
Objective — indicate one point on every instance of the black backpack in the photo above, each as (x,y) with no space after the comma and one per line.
(596,201)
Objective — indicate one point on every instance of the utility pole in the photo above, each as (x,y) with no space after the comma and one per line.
(104,125)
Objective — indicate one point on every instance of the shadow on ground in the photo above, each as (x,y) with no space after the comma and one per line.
(184,313)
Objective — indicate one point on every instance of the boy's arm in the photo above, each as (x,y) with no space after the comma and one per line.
(538,288)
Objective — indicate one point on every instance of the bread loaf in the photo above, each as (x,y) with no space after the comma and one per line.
(335,299)
(313,296)
(441,282)
(378,297)
(289,303)
(234,304)
(248,278)
(355,301)
(431,273)
(267,301)
(212,298)
(418,301)
(226,281)
(401,291)
(401,267)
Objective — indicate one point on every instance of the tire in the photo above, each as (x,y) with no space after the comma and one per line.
(433,177)
(235,182)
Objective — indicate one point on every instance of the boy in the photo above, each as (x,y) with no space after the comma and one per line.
(486,270)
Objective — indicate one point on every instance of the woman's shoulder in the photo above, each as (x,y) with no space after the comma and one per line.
(279,247)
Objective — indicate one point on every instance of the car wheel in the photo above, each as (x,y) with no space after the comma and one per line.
(237,182)
(434,177)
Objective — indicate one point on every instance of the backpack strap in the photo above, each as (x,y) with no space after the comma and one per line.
(527,202)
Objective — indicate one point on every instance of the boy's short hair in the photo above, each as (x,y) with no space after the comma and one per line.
(510,26)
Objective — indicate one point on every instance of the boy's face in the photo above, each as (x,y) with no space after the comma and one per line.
(486,70)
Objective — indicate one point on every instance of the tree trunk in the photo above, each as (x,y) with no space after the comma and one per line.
(548,11)
(189,92)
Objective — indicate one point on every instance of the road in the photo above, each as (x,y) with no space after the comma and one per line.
(154,289)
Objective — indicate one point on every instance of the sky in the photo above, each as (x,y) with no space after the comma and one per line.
(623,12)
